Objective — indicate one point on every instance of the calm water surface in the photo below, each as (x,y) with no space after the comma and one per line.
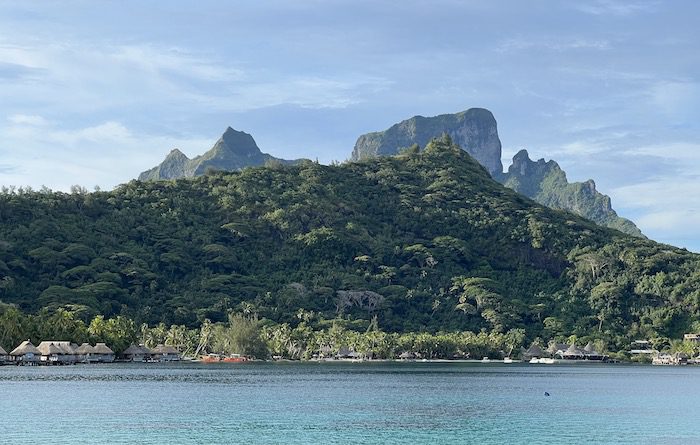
(349,403)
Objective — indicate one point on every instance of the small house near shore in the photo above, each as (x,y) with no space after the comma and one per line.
(137,353)
(165,353)
(4,356)
(534,351)
(26,353)
(641,347)
(102,353)
(86,353)
(58,352)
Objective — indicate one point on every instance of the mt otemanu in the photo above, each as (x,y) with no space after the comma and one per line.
(475,131)
(422,241)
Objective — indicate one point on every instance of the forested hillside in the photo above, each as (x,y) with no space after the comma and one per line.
(422,241)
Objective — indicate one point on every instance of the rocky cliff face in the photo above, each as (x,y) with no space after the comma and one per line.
(233,151)
(546,183)
(474,130)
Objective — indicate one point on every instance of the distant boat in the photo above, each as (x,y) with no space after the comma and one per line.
(218,358)
(542,361)
(485,360)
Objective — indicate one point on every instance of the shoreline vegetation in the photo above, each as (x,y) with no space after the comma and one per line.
(255,339)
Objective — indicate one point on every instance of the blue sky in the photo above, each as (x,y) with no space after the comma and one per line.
(92,93)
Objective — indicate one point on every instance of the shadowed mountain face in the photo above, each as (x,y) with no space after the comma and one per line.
(233,151)
(475,131)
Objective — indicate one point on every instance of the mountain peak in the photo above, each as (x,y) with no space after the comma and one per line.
(474,130)
(237,142)
(176,154)
(233,151)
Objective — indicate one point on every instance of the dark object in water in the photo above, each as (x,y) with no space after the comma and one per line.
(546,394)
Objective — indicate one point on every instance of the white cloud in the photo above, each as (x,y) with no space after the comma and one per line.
(615,7)
(89,78)
(557,44)
(677,99)
(106,154)
(27,119)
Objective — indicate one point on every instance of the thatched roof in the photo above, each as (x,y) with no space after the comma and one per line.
(85,349)
(554,347)
(589,347)
(534,350)
(136,350)
(49,348)
(2,351)
(101,348)
(164,349)
(573,350)
(66,347)
(26,347)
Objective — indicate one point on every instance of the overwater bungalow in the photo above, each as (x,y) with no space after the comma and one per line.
(26,353)
(86,353)
(102,353)
(165,353)
(4,356)
(137,353)
(58,352)
(591,354)
(50,353)
(557,348)
(533,352)
(572,353)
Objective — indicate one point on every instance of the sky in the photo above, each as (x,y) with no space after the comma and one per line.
(94,92)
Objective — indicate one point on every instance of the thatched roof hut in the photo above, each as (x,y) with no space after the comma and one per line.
(137,353)
(85,349)
(48,348)
(556,347)
(136,349)
(2,352)
(165,349)
(101,348)
(573,352)
(25,348)
(166,353)
(534,351)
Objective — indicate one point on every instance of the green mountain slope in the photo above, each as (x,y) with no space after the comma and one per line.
(233,151)
(475,131)
(421,241)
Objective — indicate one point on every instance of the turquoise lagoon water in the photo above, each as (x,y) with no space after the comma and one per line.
(349,403)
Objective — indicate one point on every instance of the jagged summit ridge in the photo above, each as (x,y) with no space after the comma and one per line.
(474,130)
(234,150)
(546,183)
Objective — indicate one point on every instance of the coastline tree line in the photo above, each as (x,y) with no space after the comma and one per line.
(420,245)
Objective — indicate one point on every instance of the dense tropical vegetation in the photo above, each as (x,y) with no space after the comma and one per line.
(419,247)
